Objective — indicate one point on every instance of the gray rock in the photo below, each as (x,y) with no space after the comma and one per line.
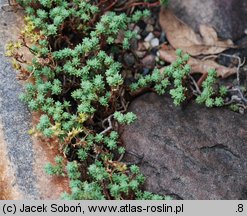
(148,61)
(149,37)
(134,43)
(149,28)
(140,54)
(129,59)
(190,153)
(137,29)
(146,45)
(25,157)
(150,20)
(155,42)
(228,17)
(15,117)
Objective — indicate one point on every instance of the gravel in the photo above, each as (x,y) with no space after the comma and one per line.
(155,42)
(149,37)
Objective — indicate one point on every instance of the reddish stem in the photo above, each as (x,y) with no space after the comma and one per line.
(101,2)
(202,78)
(110,6)
(146,4)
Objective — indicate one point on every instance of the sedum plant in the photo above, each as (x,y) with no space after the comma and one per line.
(74,81)
(175,78)
(175,75)
(208,92)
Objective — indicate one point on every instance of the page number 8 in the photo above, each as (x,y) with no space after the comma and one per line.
(240,208)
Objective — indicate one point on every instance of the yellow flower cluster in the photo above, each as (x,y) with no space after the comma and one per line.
(11,48)
(30,32)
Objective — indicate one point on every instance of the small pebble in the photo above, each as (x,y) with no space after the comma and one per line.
(149,20)
(161,63)
(155,42)
(245,31)
(140,54)
(137,29)
(149,61)
(141,46)
(131,26)
(149,37)
(134,44)
(147,45)
(129,59)
(154,51)
(241,110)
(149,28)
(145,71)
(138,37)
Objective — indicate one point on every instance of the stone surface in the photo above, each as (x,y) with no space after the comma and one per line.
(228,17)
(8,186)
(22,159)
(190,153)
(15,117)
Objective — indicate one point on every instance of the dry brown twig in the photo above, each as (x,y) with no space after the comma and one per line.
(197,90)
(240,98)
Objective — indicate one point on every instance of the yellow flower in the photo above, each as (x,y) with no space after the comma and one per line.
(9,49)
(16,65)
(8,53)
(17,45)
(57,129)
(82,117)
(121,167)
(74,132)
(32,131)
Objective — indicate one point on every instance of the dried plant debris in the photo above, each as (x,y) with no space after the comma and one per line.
(199,66)
(182,36)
